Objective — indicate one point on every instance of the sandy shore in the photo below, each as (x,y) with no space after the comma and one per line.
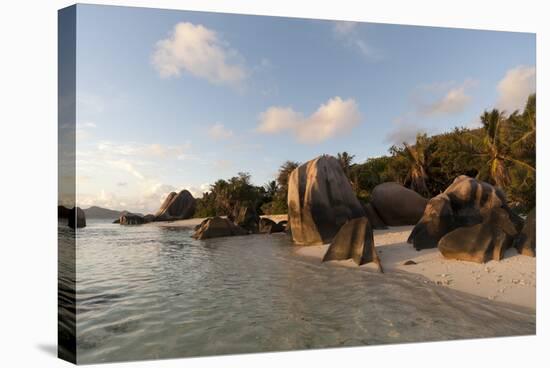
(512,280)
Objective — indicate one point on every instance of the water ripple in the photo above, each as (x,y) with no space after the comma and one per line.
(147,292)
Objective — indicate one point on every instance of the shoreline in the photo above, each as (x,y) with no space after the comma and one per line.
(511,280)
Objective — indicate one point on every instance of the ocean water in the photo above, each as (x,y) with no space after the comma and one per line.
(148,292)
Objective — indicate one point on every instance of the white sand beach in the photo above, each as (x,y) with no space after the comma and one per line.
(511,280)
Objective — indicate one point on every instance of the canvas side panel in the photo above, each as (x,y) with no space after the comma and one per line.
(66,287)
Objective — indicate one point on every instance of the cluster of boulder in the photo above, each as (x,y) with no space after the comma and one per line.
(243,220)
(176,206)
(323,208)
(76,218)
(471,221)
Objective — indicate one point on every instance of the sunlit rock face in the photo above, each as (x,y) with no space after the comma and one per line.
(469,221)
(320,201)
(354,241)
(176,206)
(216,227)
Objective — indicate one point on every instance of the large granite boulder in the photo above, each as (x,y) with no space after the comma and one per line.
(77,218)
(397,205)
(176,206)
(216,227)
(320,201)
(374,219)
(354,241)
(246,217)
(471,206)
(482,242)
(525,242)
(437,221)
(131,219)
(268,226)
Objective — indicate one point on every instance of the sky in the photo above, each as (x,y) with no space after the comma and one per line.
(169,100)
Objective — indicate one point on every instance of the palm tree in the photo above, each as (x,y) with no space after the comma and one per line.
(526,127)
(345,161)
(284,172)
(494,147)
(271,189)
(416,157)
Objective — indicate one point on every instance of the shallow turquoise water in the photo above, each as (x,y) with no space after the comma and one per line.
(147,292)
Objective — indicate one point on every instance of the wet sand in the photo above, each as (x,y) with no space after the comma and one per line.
(511,280)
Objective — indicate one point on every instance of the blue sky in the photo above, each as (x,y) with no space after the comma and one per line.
(168,100)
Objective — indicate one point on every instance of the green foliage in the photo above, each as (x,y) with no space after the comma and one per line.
(501,152)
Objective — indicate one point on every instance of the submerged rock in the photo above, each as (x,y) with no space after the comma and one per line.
(131,219)
(320,201)
(397,205)
(268,226)
(216,227)
(354,241)
(176,206)
(525,242)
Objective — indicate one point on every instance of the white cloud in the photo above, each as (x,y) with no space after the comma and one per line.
(343,28)
(333,118)
(151,150)
(197,192)
(199,51)
(454,100)
(278,119)
(349,34)
(515,87)
(219,132)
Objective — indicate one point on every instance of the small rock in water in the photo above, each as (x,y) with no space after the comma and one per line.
(409,262)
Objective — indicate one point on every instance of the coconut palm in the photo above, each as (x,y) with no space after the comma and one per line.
(271,189)
(416,159)
(345,161)
(495,148)
(284,172)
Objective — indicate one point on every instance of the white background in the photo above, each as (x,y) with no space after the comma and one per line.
(28,179)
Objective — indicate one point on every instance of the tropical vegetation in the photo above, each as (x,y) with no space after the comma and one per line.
(502,151)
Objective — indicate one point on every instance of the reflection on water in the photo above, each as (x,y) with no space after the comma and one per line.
(148,292)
